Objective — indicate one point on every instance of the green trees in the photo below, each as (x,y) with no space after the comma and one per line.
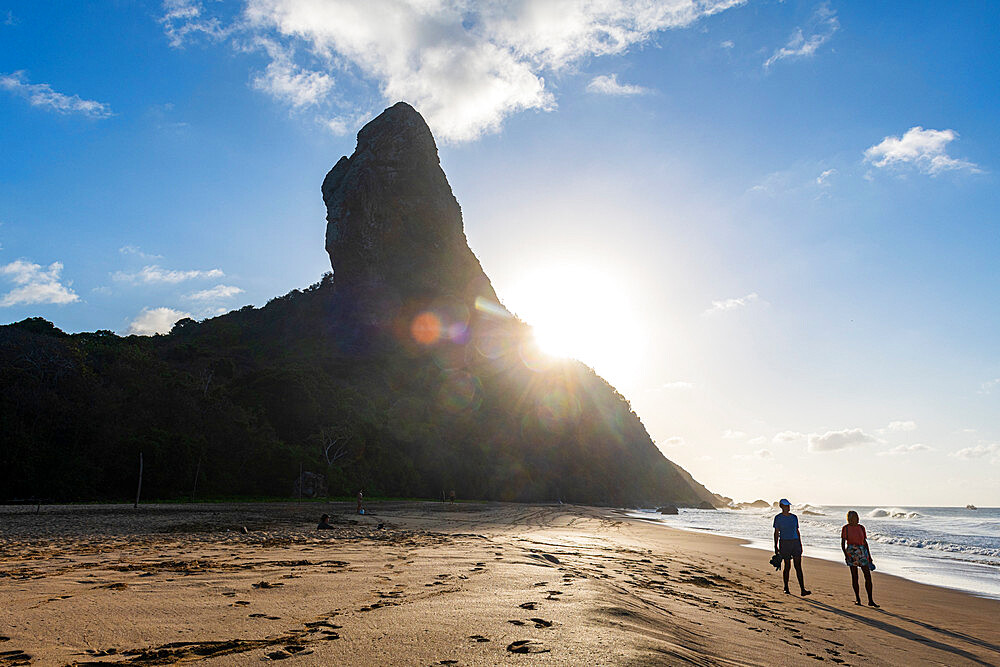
(238,404)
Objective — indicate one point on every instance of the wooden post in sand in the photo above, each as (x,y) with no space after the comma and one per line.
(138,490)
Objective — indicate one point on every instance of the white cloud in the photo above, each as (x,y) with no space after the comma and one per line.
(10,19)
(289,83)
(216,293)
(906,449)
(728,44)
(822,25)
(153,274)
(675,441)
(135,250)
(987,387)
(824,178)
(465,66)
(732,304)
(42,95)
(789,436)
(607,84)
(834,440)
(155,321)
(759,440)
(764,454)
(184,18)
(902,426)
(980,451)
(35,284)
(925,150)
(730,434)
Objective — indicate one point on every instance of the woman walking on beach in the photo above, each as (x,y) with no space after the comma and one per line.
(788,543)
(854,543)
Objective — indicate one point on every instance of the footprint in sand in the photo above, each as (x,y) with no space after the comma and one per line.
(266,584)
(478,638)
(541,622)
(528,605)
(277,655)
(241,603)
(117,586)
(515,621)
(527,646)
(12,658)
(315,626)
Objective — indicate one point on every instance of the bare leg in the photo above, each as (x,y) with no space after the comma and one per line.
(798,574)
(784,574)
(868,586)
(854,583)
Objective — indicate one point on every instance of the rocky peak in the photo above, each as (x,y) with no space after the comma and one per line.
(394,229)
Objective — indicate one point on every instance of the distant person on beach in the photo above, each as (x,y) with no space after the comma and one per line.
(361,496)
(324,523)
(854,542)
(788,543)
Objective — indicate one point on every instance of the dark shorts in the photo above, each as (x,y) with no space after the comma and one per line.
(789,549)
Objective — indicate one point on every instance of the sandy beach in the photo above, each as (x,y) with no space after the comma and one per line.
(437,583)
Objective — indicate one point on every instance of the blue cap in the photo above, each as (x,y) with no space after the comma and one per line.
(784,501)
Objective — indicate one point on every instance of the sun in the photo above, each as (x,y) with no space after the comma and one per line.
(584,314)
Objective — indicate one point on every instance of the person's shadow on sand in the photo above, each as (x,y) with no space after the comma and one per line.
(913,636)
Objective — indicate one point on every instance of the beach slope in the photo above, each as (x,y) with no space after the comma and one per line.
(441,583)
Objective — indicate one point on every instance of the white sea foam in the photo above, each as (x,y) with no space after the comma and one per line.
(945,546)
(939,545)
(893,513)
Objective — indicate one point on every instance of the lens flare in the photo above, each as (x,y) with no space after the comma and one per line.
(426,328)
(558,410)
(460,392)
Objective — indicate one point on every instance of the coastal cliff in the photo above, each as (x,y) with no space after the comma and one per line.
(400,372)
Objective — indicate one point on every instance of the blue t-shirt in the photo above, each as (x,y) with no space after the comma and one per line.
(787,525)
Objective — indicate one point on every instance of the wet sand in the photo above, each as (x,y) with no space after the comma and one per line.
(463,584)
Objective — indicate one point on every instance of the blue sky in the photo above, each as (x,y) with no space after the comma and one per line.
(772,225)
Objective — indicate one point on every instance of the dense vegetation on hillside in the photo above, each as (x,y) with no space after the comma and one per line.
(238,404)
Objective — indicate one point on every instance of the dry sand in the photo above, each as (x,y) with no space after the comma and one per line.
(464,584)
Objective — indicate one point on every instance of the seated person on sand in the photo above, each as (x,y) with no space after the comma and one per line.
(788,543)
(324,523)
(854,542)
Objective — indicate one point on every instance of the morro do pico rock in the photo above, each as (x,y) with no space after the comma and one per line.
(400,373)
(394,229)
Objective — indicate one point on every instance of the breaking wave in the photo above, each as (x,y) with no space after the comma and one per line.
(938,545)
(893,513)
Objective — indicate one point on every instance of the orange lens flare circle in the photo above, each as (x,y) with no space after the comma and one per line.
(426,328)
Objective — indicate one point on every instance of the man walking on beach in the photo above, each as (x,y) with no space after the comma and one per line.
(788,543)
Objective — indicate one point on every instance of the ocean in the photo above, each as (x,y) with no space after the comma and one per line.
(944,546)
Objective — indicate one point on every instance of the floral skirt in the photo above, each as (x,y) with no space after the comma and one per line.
(857,556)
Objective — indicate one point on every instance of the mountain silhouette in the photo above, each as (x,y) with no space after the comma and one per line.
(400,372)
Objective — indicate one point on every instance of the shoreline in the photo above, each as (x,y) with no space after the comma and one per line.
(819,553)
(471,583)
